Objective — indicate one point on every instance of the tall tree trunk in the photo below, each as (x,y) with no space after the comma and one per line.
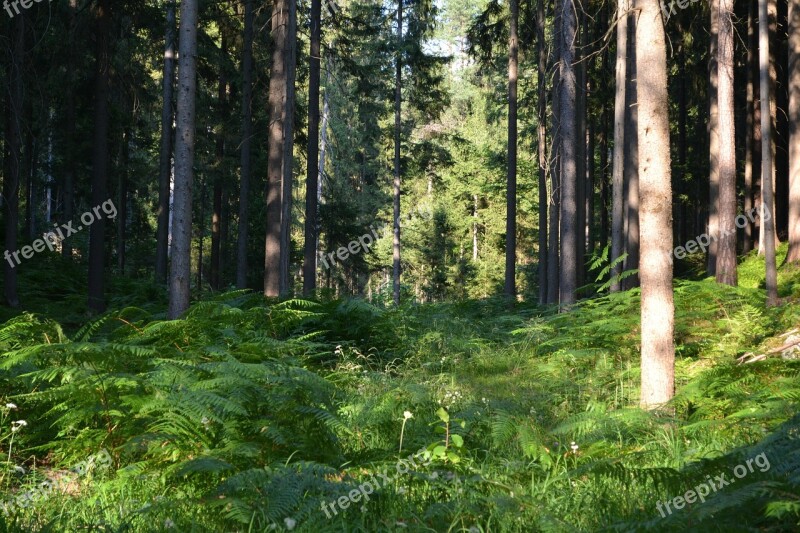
(246,155)
(726,251)
(219,175)
(767,167)
(618,173)
(580,147)
(553,248)
(752,136)
(312,174)
(794,131)
(180,265)
(541,78)
(102,120)
(568,155)
(714,138)
(165,156)
(396,184)
(657,307)
(511,176)
(631,158)
(287,184)
(278,85)
(13,158)
(69,128)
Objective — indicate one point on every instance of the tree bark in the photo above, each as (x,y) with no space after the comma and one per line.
(122,209)
(69,127)
(631,158)
(657,307)
(312,174)
(618,172)
(277,112)
(726,251)
(165,156)
(180,266)
(541,49)
(750,162)
(714,138)
(246,155)
(767,167)
(794,131)
(568,155)
(397,173)
(287,185)
(511,176)
(216,214)
(100,158)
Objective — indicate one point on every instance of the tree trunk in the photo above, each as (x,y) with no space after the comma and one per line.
(553,251)
(312,174)
(631,158)
(794,131)
(568,155)
(277,112)
(69,128)
(13,158)
(102,120)
(122,215)
(618,172)
(247,133)
(752,135)
(288,152)
(511,175)
(657,307)
(767,167)
(165,157)
(396,183)
(180,265)
(714,138)
(541,48)
(219,175)
(580,149)
(726,251)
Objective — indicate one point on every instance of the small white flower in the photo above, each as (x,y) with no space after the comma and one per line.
(407,415)
(10,405)
(20,423)
(290,523)
(205,421)
(169,524)
(573,446)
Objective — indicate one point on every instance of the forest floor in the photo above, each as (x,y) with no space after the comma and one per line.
(345,416)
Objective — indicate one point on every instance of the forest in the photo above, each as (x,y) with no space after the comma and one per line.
(400,265)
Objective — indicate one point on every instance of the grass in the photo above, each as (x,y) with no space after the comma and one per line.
(249,415)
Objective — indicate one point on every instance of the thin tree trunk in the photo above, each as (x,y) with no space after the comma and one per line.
(165,156)
(726,251)
(541,48)
(751,162)
(287,184)
(13,158)
(511,176)
(620,112)
(794,131)
(216,214)
(69,127)
(277,111)
(767,167)
(247,133)
(631,158)
(580,147)
(312,174)
(657,306)
(553,252)
(568,155)
(122,215)
(714,138)
(180,265)
(102,120)
(397,176)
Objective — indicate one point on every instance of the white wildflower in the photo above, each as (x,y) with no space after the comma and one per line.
(10,405)
(407,415)
(290,523)
(574,447)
